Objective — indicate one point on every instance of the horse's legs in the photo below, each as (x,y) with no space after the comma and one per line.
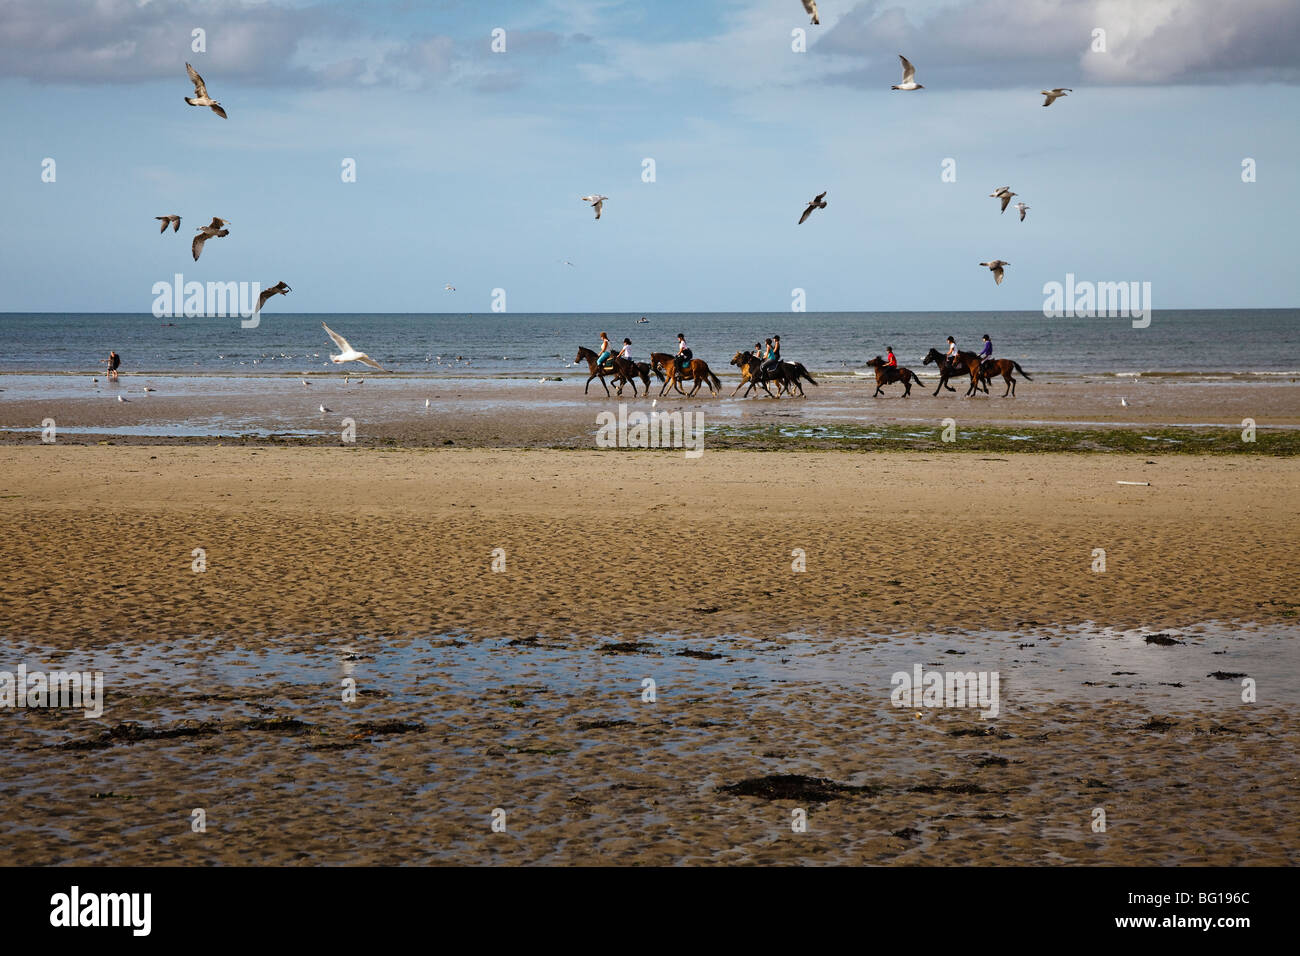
(1011,386)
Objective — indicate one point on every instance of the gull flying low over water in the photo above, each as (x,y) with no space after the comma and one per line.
(280,288)
(173,221)
(214,229)
(996,268)
(1056,94)
(1004,193)
(909,77)
(596,202)
(201,97)
(818,202)
(1023,209)
(810,8)
(348,353)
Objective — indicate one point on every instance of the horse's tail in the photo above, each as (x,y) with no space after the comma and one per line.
(915,378)
(717,383)
(800,370)
(659,373)
(1021,370)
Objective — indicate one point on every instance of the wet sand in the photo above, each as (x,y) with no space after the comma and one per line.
(491,412)
(481,689)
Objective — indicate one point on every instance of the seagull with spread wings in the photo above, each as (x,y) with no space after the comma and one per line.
(909,76)
(173,221)
(1056,94)
(201,97)
(596,202)
(213,230)
(348,353)
(996,268)
(810,8)
(1004,193)
(818,202)
(280,288)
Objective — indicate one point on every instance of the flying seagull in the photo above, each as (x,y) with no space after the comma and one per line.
(449,287)
(810,7)
(818,202)
(996,267)
(1023,208)
(349,354)
(211,230)
(173,221)
(280,288)
(1056,94)
(909,77)
(1004,193)
(596,202)
(201,97)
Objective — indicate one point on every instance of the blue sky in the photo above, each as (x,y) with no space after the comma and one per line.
(470,163)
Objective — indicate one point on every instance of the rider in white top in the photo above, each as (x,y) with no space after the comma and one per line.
(626,350)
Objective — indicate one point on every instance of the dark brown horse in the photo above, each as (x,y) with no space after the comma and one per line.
(889,374)
(621,370)
(785,374)
(967,362)
(697,370)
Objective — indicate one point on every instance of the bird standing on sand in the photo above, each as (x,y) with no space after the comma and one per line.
(810,8)
(1023,208)
(1004,193)
(996,267)
(173,221)
(324,410)
(348,353)
(210,231)
(201,97)
(909,77)
(280,288)
(121,399)
(1124,402)
(596,202)
(1054,95)
(818,202)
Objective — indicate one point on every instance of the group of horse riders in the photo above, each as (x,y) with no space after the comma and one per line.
(981,367)
(950,357)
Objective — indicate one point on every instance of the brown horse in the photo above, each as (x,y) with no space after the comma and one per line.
(786,375)
(621,370)
(1002,367)
(967,362)
(889,374)
(697,370)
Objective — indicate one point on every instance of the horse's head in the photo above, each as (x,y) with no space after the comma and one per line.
(876,362)
(739,357)
(580,356)
(932,356)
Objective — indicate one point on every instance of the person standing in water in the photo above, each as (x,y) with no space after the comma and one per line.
(114,363)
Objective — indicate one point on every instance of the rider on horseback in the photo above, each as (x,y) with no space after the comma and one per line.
(626,351)
(683,353)
(605,350)
(773,356)
(951,354)
(986,353)
(889,357)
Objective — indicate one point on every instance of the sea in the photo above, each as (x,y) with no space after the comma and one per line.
(1217,344)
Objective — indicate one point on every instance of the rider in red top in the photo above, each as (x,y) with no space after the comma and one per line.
(889,357)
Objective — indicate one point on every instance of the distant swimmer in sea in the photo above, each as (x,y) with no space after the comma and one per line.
(641,321)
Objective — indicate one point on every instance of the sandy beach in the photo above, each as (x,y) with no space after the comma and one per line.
(521,688)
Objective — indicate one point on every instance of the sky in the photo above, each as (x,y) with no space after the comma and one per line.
(470,162)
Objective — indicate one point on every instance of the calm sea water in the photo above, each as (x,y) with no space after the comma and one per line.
(1256,341)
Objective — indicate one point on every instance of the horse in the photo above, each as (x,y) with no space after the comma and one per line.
(786,374)
(697,370)
(748,363)
(1003,367)
(622,371)
(889,374)
(968,361)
